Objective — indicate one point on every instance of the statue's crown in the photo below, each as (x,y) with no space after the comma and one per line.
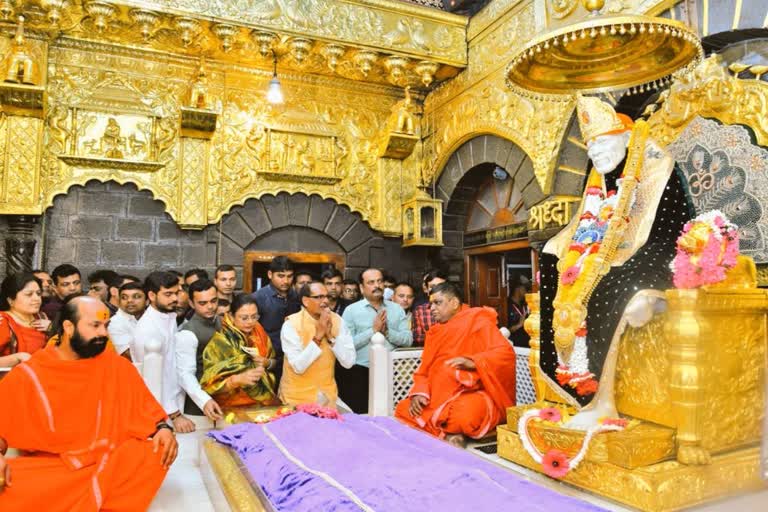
(596,117)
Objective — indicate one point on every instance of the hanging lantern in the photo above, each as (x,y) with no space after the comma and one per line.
(422,221)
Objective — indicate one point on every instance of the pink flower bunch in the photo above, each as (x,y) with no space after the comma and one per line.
(710,265)
(312,409)
(555,464)
(570,275)
(319,411)
(619,422)
(550,414)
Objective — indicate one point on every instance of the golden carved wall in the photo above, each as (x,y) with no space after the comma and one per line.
(115,76)
(478,101)
(116,79)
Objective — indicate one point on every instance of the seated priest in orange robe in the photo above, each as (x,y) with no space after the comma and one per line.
(91,435)
(466,379)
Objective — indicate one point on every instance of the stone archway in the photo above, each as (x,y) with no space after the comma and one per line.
(457,187)
(301,223)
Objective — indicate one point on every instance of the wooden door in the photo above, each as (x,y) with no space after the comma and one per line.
(487,286)
(256,263)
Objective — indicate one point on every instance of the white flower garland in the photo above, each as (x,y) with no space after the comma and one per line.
(578,364)
(522,430)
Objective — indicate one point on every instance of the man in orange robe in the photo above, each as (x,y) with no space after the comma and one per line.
(91,435)
(466,379)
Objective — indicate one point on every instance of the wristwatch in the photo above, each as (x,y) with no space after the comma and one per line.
(163,425)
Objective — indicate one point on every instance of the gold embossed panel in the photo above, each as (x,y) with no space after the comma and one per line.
(661,487)
(721,361)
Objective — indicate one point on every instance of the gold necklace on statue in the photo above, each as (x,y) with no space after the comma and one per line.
(572,296)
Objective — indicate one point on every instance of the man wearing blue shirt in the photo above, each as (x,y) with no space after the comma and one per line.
(276,301)
(364,318)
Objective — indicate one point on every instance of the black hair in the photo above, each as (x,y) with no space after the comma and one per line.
(389,278)
(360,277)
(176,273)
(109,277)
(403,283)
(303,272)
(240,300)
(39,271)
(13,284)
(131,278)
(306,290)
(349,282)
(447,288)
(223,268)
(280,264)
(200,286)
(434,273)
(199,272)
(64,270)
(331,273)
(159,279)
(132,285)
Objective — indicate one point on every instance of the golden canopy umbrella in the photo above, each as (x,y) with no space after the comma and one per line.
(605,53)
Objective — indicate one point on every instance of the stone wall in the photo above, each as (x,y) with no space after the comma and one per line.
(300,223)
(107,225)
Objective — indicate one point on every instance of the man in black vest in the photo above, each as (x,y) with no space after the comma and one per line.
(191,340)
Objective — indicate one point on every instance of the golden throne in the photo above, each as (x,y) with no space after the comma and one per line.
(694,377)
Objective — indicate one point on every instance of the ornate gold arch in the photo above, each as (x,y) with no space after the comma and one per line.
(713,91)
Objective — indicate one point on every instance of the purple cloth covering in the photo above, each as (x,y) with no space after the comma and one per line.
(386,465)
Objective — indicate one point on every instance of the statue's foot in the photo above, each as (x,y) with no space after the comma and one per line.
(457,440)
(693,455)
(588,419)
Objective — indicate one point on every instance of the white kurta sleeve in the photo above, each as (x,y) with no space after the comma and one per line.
(300,358)
(344,347)
(121,334)
(173,396)
(186,367)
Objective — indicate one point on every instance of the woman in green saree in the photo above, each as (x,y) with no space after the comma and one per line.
(239,361)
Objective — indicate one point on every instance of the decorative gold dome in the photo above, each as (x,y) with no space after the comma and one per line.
(605,54)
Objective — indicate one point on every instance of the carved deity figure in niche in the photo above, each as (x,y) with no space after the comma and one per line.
(111,142)
(21,66)
(199,91)
(306,161)
(404,122)
(608,268)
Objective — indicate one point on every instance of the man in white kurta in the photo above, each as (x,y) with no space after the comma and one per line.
(157,328)
(122,325)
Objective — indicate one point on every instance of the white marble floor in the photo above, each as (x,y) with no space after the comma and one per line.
(184,490)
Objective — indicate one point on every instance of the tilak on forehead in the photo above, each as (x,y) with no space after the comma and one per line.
(103,314)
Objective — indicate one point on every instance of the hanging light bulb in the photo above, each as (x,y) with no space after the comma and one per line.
(275,91)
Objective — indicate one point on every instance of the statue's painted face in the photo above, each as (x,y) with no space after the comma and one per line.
(607,151)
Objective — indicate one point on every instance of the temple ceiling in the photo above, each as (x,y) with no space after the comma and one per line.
(378,41)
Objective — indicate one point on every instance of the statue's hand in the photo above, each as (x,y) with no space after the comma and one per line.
(640,310)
